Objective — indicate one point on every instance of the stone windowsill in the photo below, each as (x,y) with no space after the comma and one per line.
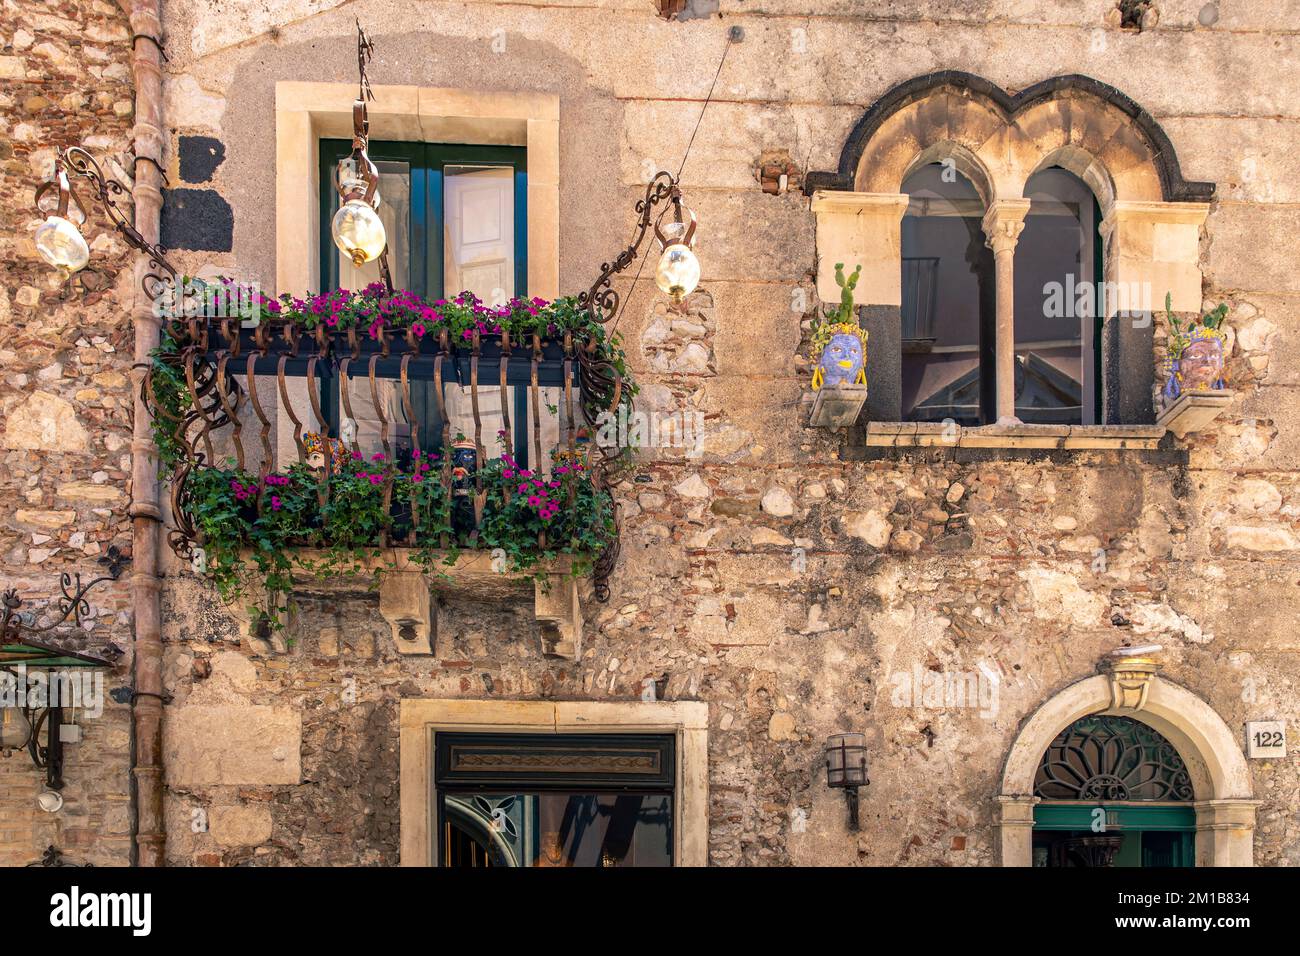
(928,434)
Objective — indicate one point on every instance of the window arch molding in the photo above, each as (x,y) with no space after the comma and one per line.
(1074,110)
(1151,215)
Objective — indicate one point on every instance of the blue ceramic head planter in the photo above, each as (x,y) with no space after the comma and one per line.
(843,358)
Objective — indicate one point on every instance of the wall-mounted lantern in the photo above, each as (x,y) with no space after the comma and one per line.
(678,271)
(846,769)
(23,648)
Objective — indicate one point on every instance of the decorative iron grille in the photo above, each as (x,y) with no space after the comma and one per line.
(1112,758)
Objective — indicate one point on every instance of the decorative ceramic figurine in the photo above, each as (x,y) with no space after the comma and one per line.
(840,343)
(316,443)
(464,464)
(1196,359)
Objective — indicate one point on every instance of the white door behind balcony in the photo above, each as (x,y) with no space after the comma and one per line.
(479,246)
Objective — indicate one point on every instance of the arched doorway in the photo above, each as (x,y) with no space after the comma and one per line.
(1113,792)
(1222,804)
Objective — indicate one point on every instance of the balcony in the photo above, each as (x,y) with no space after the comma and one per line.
(281,481)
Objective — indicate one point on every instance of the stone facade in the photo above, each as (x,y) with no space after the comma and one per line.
(796,585)
(65,401)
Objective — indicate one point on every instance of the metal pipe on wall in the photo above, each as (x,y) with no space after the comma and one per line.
(146,515)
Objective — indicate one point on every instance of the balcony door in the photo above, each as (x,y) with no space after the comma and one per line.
(456,218)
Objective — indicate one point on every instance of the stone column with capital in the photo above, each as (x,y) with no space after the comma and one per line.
(1003,223)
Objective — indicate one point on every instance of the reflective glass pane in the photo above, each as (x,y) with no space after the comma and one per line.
(557,829)
(1056,305)
(947,304)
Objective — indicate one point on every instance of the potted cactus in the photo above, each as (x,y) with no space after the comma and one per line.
(839,347)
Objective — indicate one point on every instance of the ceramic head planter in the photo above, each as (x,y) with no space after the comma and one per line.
(1196,359)
(839,343)
(842,355)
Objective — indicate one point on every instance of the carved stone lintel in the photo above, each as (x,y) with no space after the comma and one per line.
(559,612)
(1130,681)
(406,603)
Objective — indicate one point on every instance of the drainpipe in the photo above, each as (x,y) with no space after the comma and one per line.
(146,515)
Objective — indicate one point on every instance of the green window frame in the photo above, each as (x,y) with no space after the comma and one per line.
(427,163)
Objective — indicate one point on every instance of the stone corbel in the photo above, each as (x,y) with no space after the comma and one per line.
(256,631)
(406,603)
(559,612)
(837,406)
(1131,672)
(1194,411)
(860,229)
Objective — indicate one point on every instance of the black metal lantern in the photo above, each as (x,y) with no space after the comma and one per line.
(846,769)
(24,647)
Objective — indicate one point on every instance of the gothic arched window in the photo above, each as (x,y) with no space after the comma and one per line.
(1057,280)
(948,309)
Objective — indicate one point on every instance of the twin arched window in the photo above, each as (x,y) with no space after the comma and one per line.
(948,302)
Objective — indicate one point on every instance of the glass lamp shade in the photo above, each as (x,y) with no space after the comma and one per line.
(15,728)
(846,760)
(678,272)
(61,244)
(358,232)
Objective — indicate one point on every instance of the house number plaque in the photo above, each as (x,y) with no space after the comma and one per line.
(1266,738)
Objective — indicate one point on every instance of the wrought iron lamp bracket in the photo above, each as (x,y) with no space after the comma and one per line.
(14,627)
(78,162)
(72,603)
(601,301)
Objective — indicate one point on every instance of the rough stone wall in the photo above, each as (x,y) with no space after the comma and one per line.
(790,589)
(65,402)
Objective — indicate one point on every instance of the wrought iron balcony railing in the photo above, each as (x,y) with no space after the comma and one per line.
(219,436)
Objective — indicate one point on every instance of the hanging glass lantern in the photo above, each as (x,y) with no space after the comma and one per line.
(15,728)
(61,244)
(357,229)
(678,272)
(58,239)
